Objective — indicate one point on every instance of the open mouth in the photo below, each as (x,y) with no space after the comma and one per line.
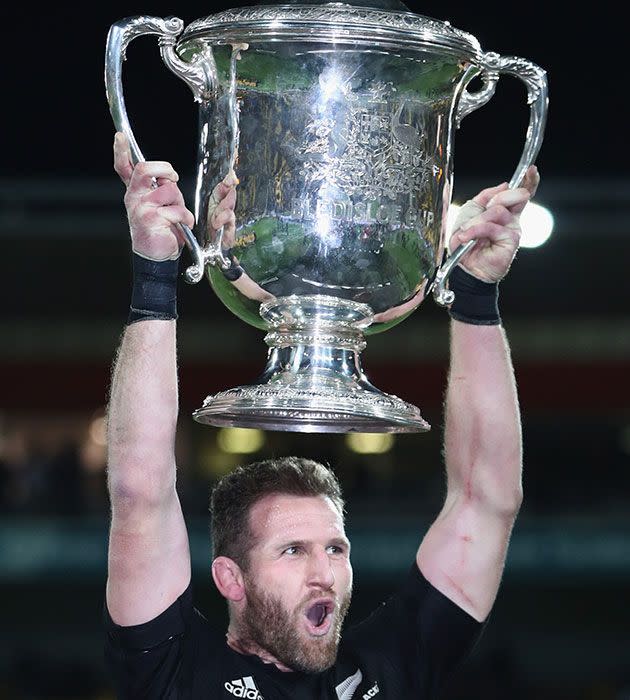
(319,615)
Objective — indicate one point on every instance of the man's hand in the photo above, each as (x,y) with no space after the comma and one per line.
(492,218)
(154,212)
(221,210)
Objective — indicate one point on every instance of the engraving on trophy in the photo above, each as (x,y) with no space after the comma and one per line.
(360,147)
(258,393)
(362,212)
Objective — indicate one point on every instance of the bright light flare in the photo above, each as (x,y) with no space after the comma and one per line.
(537,224)
(370,443)
(98,431)
(331,83)
(240,440)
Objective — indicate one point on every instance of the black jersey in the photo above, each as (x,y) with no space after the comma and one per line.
(405,650)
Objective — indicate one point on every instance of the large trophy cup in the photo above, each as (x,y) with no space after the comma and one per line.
(338,121)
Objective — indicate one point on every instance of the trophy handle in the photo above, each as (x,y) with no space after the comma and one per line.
(195,75)
(535,79)
(470,101)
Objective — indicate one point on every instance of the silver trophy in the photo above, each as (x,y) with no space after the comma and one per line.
(339,122)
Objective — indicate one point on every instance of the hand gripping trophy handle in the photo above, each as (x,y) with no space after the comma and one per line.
(534,77)
(195,75)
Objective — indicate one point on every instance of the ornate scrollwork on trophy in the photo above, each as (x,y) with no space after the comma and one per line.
(470,101)
(333,340)
(339,16)
(200,73)
(140,26)
(531,74)
(321,402)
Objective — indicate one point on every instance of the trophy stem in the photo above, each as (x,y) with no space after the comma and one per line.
(313,380)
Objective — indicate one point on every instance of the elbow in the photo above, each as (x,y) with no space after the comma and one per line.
(512,503)
(140,479)
(131,497)
(504,502)
(499,491)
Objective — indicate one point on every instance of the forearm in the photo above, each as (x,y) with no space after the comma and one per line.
(482,431)
(143,414)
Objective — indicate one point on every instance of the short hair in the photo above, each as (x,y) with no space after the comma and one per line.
(235,494)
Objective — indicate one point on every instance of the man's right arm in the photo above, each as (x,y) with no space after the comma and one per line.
(149,559)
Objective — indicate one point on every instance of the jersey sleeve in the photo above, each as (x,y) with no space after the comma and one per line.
(145,661)
(418,638)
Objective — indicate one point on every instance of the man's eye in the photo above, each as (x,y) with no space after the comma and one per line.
(291,550)
(334,549)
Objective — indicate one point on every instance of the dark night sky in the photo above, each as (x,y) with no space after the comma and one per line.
(58,123)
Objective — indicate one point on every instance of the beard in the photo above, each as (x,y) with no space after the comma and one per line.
(269,625)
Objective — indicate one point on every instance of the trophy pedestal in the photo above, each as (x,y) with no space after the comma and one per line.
(313,381)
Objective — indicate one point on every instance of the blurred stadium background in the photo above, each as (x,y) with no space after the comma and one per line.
(561,626)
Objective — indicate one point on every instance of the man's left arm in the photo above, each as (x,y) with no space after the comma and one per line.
(463,553)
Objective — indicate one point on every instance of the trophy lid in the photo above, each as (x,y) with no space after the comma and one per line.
(393,5)
(338,23)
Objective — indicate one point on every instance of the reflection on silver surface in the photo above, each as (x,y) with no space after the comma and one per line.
(339,124)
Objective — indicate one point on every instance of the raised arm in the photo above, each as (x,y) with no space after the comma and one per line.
(149,561)
(463,553)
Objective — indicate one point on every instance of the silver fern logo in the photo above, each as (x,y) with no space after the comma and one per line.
(346,689)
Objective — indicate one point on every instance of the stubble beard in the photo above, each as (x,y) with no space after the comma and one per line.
(269,625)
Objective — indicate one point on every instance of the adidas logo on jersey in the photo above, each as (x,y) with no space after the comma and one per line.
(244,688)
(371,692)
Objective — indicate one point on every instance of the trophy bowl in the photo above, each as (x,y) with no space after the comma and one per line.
(339,123)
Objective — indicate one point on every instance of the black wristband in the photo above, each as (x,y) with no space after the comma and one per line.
(476,302)
(235,271)
(154,293)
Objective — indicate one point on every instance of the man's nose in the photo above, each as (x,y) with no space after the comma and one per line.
(321,572)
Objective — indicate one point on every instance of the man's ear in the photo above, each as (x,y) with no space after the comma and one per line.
(228,578)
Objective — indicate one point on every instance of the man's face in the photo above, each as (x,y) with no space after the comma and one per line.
(299,581)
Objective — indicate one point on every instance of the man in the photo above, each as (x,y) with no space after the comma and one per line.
(281,556)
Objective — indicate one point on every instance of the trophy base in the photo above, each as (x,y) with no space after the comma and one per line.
(311,409)
(313,381)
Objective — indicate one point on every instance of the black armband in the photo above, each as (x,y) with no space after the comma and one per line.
(235,271)
(154,293)
(476,302)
